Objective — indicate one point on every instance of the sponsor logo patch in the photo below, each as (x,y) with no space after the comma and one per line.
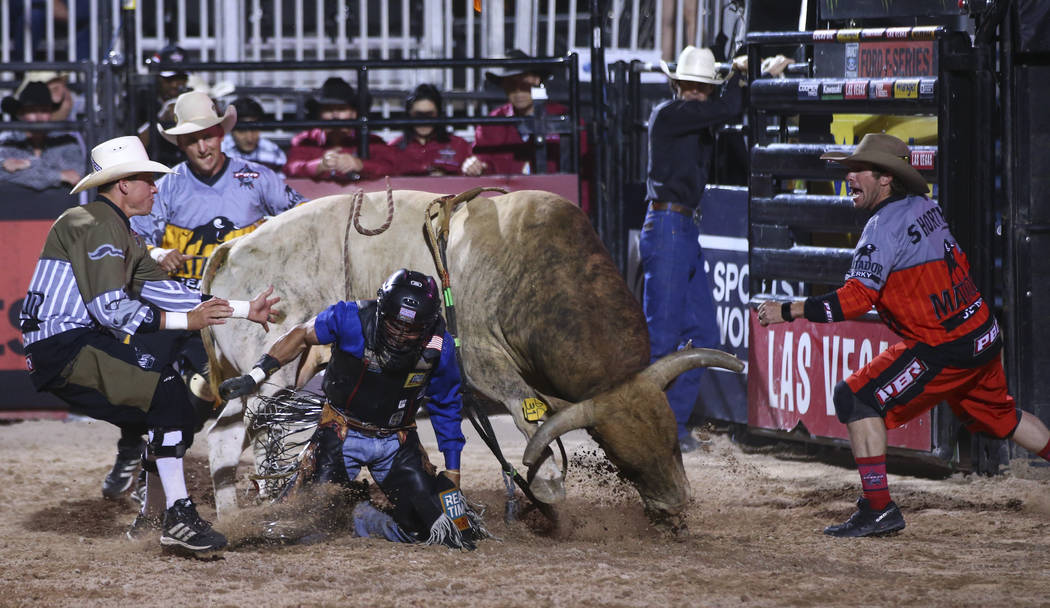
(906,89)
(453,505)
(415,379)
(856,89)
(809,90)
(103,250)
(901,382)
(406,314)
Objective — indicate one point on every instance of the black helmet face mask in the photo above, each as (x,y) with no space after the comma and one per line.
(406,318)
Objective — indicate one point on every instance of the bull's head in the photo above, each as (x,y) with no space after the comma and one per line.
(635,426)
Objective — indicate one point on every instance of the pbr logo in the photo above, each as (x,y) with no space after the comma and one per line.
(246,177)
(986,339)
(901,382)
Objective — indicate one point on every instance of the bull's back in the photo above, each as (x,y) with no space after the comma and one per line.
(544,282)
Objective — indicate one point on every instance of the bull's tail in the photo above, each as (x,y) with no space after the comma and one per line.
(218,368)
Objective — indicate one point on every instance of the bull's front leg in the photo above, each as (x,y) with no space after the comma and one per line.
(548,484)
(226,441)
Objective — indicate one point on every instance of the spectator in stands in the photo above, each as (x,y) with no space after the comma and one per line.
(677,298)
(508,149)
(169,85)
(69,105)
(428,149)
(38,159)
(332,153)
(208,200)
(247,143)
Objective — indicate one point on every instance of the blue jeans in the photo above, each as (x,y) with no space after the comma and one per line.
(377,453)
(677,300)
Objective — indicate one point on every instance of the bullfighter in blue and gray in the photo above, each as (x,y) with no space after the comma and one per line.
(909,267)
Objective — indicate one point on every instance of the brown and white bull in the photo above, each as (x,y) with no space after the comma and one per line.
(543,314)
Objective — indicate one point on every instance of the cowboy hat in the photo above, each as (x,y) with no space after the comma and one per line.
(694,65)
(497,75)
(885,152)
(195,111)
(44,76)
(117,158)
(335,92)
(34,94)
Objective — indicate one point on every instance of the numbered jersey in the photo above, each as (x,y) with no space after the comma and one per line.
(195,216)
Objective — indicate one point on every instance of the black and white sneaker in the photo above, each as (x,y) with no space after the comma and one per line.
(143,525)
(184,529)
(869,522)
(122,475)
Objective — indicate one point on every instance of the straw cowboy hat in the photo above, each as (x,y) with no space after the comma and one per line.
(497,75)
(888,153)
(195,111)
(694,65)
(117,158)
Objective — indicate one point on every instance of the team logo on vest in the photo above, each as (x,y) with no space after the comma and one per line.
(213,233)
(901,382)
(103,250)
(863,266)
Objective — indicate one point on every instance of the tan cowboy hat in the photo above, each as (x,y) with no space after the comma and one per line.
(195,111)
(117,158)
(694,65)
(886,152)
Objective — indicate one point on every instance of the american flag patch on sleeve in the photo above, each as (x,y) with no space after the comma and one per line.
(436,342)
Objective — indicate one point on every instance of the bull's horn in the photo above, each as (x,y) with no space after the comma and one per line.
(576,416)
(669,367)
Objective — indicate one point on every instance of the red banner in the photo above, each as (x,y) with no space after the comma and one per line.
(23,239)
(895,59)
(793,369)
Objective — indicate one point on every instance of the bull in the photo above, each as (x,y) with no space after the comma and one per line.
(543,314)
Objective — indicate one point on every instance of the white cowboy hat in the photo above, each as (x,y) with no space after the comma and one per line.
(117,158)
(695,65)
(195,111)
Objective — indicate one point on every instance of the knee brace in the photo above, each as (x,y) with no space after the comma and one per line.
(156,448)
(848,408)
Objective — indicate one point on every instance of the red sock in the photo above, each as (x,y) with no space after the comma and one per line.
(1045,452)
(873,480)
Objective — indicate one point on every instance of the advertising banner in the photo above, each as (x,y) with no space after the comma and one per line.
(794,368)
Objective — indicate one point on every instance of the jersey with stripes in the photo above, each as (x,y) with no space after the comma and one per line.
(195,216)
(94,271)
(910,267)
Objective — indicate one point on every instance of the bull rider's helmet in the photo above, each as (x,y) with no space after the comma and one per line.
(406,317)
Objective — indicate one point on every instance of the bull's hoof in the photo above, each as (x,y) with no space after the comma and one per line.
(550,491)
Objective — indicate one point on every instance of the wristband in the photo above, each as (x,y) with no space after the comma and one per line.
(241,308)
(157,253)
(268,364)
(176,320)
(785,311)
(258,375)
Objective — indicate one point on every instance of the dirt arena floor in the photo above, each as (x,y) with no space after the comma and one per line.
(754,539)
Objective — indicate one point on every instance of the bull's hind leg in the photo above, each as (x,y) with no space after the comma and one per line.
(226,441)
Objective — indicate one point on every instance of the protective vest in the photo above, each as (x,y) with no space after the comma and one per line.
(362,390)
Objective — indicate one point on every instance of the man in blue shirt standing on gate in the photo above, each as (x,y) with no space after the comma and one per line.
(677,298)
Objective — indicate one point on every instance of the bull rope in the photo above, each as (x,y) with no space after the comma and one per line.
(357,201)
(437,239)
